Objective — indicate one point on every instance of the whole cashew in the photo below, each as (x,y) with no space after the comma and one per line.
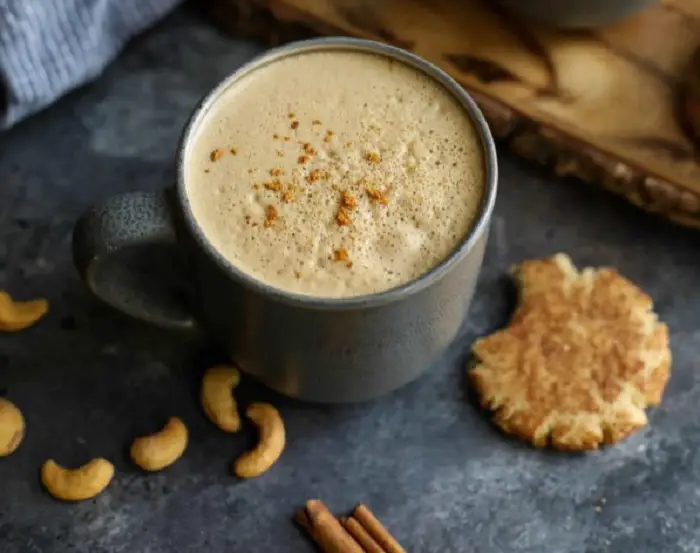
(217,397)
(162,449)
(76,484)
(269,448)
(18,315)
(11,427)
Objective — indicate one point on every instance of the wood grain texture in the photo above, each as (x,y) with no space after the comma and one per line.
(604,105)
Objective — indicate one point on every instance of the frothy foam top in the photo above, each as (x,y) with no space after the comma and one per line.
(335,174)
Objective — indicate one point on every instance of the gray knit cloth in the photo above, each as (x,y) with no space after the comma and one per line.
(48,47)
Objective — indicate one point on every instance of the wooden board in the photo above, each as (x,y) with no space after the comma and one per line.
(601,105)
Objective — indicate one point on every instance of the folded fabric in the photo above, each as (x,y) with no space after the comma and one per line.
(48,47)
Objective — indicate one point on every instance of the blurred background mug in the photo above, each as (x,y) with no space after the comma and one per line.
(575,13)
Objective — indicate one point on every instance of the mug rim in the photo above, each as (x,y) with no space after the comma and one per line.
(423,281)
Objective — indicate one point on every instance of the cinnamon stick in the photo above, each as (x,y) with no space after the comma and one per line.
(361,536)
(376,529)
(325,529)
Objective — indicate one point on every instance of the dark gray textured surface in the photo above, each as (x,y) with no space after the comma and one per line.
(428,462)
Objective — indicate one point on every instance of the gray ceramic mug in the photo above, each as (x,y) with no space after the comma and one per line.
(327,350)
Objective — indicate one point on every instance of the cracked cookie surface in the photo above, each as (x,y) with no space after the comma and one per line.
(580,360)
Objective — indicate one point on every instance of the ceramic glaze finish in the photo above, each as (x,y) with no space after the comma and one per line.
(331,355)
(128,222)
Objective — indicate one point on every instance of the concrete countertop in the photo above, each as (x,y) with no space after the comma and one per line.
(426,459)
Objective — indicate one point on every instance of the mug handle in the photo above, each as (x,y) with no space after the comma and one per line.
(126,252)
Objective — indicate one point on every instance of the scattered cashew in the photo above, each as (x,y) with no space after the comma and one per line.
(76,484)
(269,448)
(162,449)
(217,397)
(11,427)
(18,315)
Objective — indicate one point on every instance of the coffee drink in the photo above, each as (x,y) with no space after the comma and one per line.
(335,174)
(332,202)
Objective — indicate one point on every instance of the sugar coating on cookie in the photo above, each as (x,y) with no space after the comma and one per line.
(582,357)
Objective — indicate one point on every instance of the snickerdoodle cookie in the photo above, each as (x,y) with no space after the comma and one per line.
(582,357)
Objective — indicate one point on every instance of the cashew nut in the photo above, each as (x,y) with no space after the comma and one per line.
(11,427)
(18,315)
(76,484)
(162,449)
(269,448)
(217,397)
